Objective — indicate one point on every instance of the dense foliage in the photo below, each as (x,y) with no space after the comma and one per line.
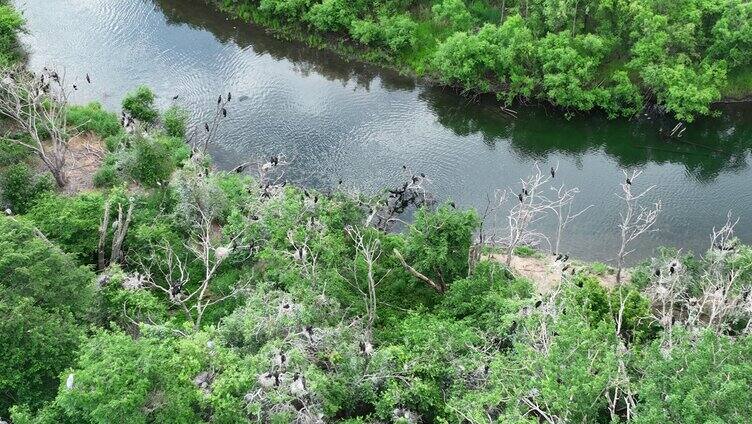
(10,23)
(225,298)
(240,299)
(614,56)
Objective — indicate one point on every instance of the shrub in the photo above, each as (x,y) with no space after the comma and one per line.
(19,187)
(44,297)
(330,15)
(175,120)
(107,174)
(11,153)
(72,222)
(454,13)
(115,142)
(10,23)
(140,104)
(438,243)
(94,118)
(284,9)
(393,32)
(153,160)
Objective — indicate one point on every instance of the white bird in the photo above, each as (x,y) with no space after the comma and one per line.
(222,252)
(69,381)
(8,211)
(268,380)
(280,360)
(366,348)
(298,387)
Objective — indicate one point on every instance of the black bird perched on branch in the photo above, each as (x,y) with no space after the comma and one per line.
(175,97)
(553,172)
(75,87)
(229,96)
(629,181)
(538,303)
(219,100)
(206,126)
(274,160)
(519,196)
(224,113)
(453,205)
(671,270)
(559,256)
(525,192)
(88,79)
(657,272)
(566,267)
(565,258)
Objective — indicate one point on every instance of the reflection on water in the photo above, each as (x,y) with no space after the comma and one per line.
(340,119)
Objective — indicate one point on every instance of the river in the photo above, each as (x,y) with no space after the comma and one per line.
(359,123)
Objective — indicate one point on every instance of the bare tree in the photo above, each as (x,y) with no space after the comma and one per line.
(532,204)
(38,105)
(369,249)
(636,220)
(209,249)
(722,300)
(562,209)
(211,128)
(120,229)
(383,213)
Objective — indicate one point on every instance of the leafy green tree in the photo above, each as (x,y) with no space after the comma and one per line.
(44,300)
(71,222)
(703,378)
(19,188)
(151,382)
(454,13)
(175,119)
(732,34)
(438,244)
(570,68)
(140,104)
(10,23)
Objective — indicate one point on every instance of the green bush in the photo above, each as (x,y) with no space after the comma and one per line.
(113,143)
(175,119)
(438,243)
(44,299)
(154,159)
(330,15)
(12,153)
(107,175)
(94,118)
(10,23)
(140,104)
(394,32)
(71,222)
(19,188)
(454,13)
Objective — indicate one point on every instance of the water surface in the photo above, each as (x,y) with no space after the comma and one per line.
(351,121)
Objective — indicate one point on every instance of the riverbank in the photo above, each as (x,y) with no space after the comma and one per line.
(589,66)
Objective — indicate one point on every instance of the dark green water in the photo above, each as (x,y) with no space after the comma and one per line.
(360,123)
